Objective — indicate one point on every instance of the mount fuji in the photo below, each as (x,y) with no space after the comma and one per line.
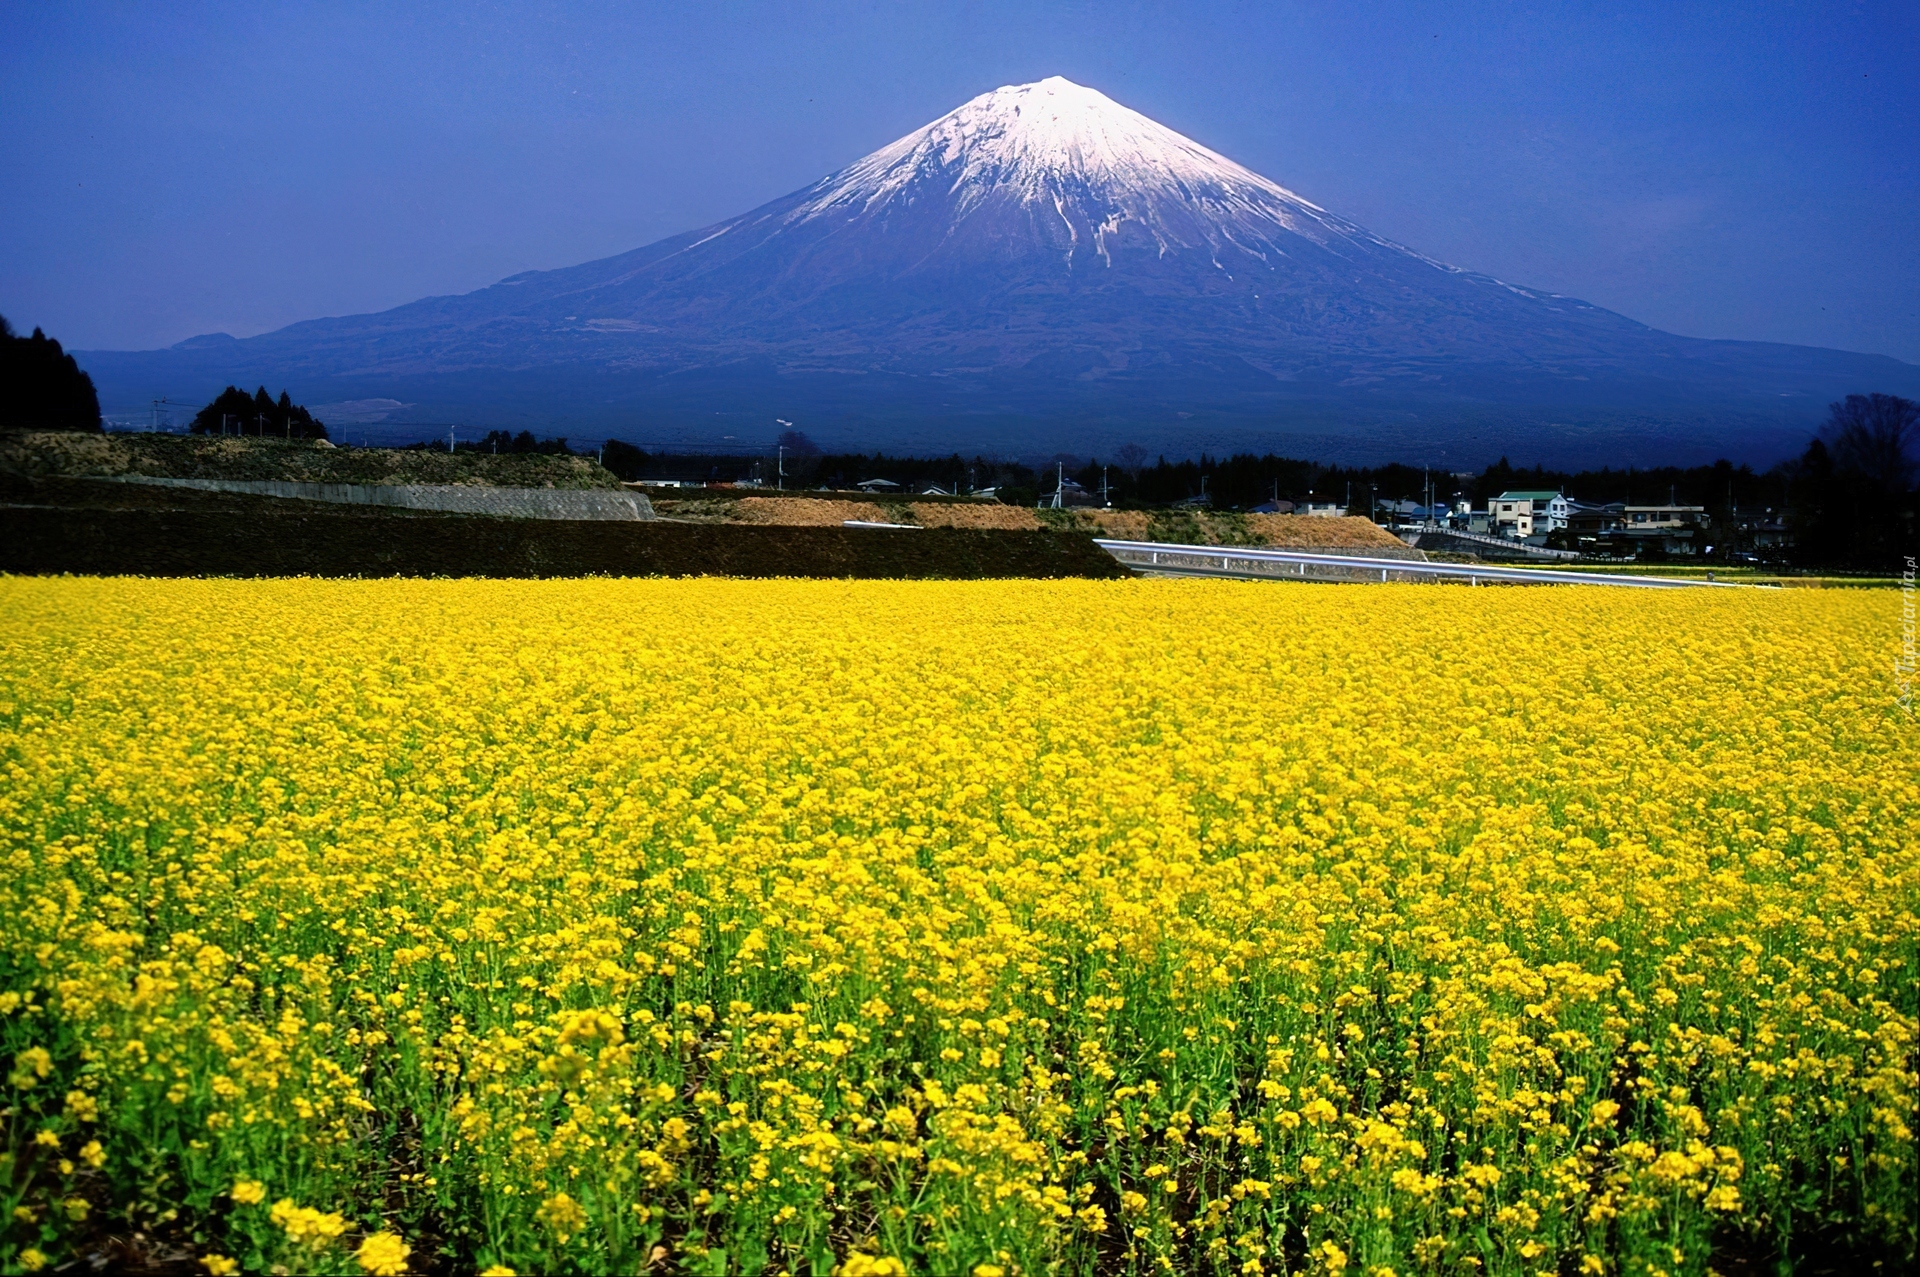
(1045,269)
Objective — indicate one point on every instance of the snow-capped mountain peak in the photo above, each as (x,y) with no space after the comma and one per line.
(1084,165)
(1034,268)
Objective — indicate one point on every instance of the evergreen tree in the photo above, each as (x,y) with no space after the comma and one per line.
(41,385)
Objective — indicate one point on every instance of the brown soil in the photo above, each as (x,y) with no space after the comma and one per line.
(1206,528)
(984,514)
(1122,525)
(805,512)
(1306,531)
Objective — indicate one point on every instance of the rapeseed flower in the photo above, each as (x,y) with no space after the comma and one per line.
(952,927)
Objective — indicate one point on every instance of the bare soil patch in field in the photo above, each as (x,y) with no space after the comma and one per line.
(1308,531)
(933,514)
(806,512)
(1122,525)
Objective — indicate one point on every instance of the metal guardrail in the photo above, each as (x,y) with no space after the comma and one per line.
(1269,565)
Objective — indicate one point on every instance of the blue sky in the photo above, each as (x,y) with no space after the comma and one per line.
(1746,171)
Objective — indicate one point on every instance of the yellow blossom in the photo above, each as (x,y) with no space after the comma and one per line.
(383,1254)
(306,1226)
(1085,922)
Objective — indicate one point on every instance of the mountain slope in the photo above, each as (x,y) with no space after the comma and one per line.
(1045,267)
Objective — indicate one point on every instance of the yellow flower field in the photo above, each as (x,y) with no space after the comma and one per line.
(999,928)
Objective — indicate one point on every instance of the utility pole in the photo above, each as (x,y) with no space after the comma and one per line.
(1106,495)
(780,461)
(1059,474)
(449,440)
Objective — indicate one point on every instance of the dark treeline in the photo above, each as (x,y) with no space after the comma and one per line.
(235,412)
(802,467)
(41,386)
(505,441)
(1244,480)
(1848,501)
(953,473)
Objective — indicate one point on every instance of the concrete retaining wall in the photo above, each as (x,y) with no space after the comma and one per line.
(508,503)
(1407,552)
(1456,542)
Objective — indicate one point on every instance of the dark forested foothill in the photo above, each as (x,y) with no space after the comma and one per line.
(42,387)
(235,412)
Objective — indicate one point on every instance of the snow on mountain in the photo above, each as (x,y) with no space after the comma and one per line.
(1041,262)
(1056,145)
(1061,169)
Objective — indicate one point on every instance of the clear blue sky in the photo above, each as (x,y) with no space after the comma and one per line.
(1739,170)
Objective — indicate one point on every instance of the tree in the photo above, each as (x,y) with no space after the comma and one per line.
(234,411)
(42,386)
(1819,514)
(506,441)
(625,460)
(1875,438)
(797,444)
(1853,503)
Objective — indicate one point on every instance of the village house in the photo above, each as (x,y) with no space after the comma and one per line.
(1522,514)
(1663,518)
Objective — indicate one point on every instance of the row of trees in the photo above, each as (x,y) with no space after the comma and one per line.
(1849,500)
(524,442)
(235,412)
(44,387)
